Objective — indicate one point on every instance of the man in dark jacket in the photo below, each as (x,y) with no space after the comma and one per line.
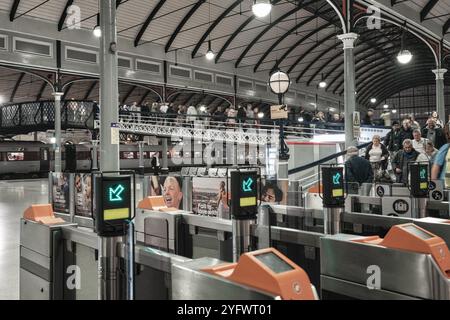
(357,170)
(402,158)
(393,138)
(434,134)
(406,131)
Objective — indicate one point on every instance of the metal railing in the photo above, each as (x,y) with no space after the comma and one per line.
(31,116)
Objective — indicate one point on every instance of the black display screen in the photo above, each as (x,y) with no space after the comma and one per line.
(274,263)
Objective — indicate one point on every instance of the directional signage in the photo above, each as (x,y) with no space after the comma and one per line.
(244,193)
(116,194)
(333,187)
(113,204)
(419,180)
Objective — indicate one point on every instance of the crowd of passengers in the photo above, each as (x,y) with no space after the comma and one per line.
(230,114)
(387,160)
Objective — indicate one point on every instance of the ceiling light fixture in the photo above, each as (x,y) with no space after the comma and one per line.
(373,100)
(322,83)
(210,54)
(261,8)
(404,56)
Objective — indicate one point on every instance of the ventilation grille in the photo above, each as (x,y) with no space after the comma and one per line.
(33,47)
(3,42)
(81,55)
(226,81)
(148,66)
(124,63)
(180,72)
(260,87)
(201,76)
(245,85)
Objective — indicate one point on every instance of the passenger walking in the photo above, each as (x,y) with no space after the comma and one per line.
(431,152)
(439,169)
(406,131)
(434,134)
(393,139)
(437,121)
(419,143)
(377,154)
(357,170)
(403,158)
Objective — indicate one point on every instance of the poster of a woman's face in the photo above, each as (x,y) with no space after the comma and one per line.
(168,187)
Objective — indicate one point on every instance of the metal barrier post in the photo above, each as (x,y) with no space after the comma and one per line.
(72,197)
(263,225)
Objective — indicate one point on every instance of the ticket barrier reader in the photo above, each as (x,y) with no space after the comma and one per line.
(409,263)
(262,274)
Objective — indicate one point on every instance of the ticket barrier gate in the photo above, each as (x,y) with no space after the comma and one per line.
(158,274)
(183,233)
(409,263)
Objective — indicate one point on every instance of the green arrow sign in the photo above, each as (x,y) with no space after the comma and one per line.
(115,194)
(336,178)
(247,185)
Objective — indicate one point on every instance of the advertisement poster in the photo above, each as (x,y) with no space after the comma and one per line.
(170,187)
(83,195)
(210,197)
(274,191)
(61,192)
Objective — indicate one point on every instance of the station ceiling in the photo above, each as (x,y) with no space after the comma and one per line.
(299,37)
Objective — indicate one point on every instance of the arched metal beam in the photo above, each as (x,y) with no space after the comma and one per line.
(189,100)
(446,27)
(182,23)
(385,69)
(236,33)
(385,52)
(426,10)
(317,58)
(364,72)
(27,71)
(389,92)
(396,86)
(311,49)
(89,91)
(339,54)
(276,43)
(13,11)
(213,26)
(16,87)
(149,19)
(128,94)
(269,27)
(400,25)
(299,42)
(383,72)
(66,90)
(404,76)
(362,59)
(401,77)
(41,90)
(144,97)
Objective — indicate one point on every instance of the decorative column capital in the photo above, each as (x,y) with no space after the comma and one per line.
(348,39)
(58,95)
(439,73)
